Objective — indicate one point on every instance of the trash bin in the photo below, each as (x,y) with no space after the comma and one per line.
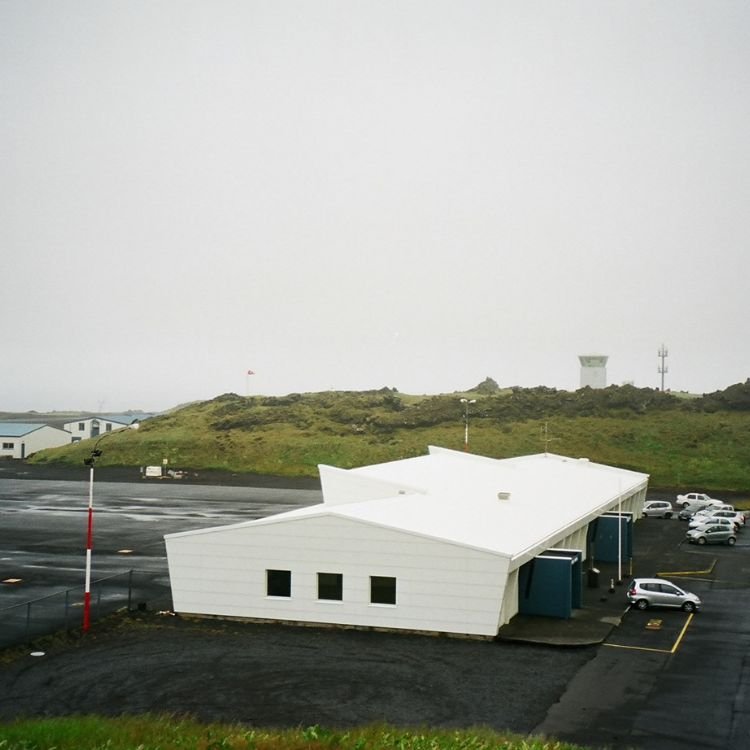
(593,578)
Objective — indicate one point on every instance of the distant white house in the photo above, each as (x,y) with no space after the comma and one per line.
(21,439)
(91,427)
(448,542)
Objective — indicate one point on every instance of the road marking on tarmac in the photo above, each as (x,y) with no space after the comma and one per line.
(672,650)
(706,572)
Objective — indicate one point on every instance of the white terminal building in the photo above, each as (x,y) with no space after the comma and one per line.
(448,542)
(593,370)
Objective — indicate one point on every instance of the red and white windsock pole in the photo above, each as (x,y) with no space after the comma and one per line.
(89,547)
(89,538)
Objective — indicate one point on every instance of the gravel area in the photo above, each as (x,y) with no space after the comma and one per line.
(282,676)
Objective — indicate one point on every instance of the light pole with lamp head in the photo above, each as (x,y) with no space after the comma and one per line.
(466,402)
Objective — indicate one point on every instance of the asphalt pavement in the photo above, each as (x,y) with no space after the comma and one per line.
(664,679)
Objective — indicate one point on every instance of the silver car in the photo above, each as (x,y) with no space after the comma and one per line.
(712,521)
(712,534)
(657,592)
(658,509)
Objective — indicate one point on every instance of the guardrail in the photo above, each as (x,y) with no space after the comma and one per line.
(63,610)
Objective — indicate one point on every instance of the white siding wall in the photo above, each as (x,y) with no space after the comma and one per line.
(510,599)
(47,437)
(83,434)
(15,447)
(31,442)
(440,587)
(87,430)
(575,540)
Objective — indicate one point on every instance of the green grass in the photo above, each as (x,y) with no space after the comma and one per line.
(699,443)
(173,733)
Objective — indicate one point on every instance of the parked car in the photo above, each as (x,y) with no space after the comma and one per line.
(699,520)
(658,592)
(712,533)
(658,509)
(739,513)
(695,501)
(738,519)
(709,514)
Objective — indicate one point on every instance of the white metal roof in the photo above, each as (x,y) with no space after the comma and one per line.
(454,496)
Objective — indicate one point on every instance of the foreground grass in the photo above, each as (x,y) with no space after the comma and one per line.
(168,733)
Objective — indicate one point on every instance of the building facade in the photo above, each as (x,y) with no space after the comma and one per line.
(438,543)
(21,439)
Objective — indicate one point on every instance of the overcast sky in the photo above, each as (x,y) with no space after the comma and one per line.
(351,195)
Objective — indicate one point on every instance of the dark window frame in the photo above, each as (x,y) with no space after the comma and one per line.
(383,590)
(330,587)
(278,583)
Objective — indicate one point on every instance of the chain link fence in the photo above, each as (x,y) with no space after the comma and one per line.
(130,590)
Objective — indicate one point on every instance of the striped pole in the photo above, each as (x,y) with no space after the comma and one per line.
(89,547)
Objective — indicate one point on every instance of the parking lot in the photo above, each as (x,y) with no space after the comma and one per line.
(665,679)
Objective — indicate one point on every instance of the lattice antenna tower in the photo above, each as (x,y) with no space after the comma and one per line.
(546,439)
(662,369)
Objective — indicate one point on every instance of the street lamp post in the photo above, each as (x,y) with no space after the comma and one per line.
(89,539)
(466,402)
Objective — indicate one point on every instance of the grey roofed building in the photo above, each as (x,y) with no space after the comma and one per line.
(21,439)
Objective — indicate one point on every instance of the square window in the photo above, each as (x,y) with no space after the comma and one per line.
(331,586)
(81,427)
(278,583)
(382,590)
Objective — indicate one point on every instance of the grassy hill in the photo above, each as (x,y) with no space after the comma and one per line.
(701,442)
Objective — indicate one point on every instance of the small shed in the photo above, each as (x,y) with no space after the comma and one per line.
(21,439)
(435,543)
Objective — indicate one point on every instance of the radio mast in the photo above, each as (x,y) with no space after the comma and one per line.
(662,369)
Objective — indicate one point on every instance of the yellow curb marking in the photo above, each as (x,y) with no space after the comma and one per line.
(637,648)
(689,572)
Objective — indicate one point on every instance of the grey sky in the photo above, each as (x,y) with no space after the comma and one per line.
(350,195)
